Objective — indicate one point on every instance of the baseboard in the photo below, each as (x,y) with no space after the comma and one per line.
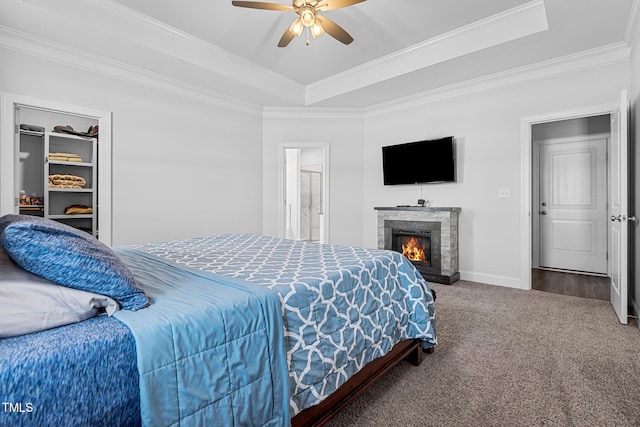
(636,311)
(492,279)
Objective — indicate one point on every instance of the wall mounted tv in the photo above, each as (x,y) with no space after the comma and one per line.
(419,162)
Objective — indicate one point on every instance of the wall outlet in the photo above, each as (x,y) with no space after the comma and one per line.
(504,193)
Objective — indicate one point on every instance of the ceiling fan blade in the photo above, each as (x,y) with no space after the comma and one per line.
(262,5)
(334,30)
(336,4)
(286,38)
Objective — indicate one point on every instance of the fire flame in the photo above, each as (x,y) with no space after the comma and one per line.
(411,250)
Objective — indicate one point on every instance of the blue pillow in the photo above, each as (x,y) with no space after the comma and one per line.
(69,257)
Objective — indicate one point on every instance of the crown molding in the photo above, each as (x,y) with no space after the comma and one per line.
(632,32)
(509,25)
(128,24)
(582,61)
(343,113)
(31,45)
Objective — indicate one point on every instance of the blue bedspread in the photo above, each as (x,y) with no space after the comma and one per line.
(82,374)
(342,306)
(210,351)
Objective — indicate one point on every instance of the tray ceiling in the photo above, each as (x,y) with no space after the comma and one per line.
(401,48)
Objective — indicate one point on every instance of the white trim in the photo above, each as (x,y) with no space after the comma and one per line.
(632,31)
(525,184)
(326,147)
(491,279)
(312,113)
(28,44)
(129,24)
(7,164)
(577,62)
(525,20)
(8,103)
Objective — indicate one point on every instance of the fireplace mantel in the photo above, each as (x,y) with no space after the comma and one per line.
(446,217)
(417,209)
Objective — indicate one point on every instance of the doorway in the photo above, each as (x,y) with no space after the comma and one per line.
(305,193)
(617,195)
(569,206)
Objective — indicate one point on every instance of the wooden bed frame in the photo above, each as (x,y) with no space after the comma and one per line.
(321,413)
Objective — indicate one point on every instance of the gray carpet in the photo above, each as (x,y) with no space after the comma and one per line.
(508,357)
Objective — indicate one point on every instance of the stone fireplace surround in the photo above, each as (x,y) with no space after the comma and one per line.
(442,222)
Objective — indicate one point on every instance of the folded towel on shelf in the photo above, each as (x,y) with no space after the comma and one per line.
(65,157)
(66,181)
(63,185)
(78,210)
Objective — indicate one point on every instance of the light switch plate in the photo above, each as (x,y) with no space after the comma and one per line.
(504,193)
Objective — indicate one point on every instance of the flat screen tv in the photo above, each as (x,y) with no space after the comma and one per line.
(419,162)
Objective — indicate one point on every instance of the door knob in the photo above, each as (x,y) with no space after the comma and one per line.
(616,218)
(631,219)
(543,212)
(544,203)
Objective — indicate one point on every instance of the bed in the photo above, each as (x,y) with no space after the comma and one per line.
(228,321)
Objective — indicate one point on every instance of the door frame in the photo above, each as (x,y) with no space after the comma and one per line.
(8,104)
(282,217)
(535,184)
(526,183)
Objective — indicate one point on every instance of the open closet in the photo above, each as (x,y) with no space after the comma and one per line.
(56,173)
(56,163)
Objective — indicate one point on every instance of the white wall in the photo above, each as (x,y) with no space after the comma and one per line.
(487,130)
(181,168)
(344,134)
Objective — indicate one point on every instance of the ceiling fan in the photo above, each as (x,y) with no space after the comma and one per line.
(309,17)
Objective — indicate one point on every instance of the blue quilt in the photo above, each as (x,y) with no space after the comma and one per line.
(209,351)
(342,306)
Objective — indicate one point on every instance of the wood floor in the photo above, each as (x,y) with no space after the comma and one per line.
(578,285)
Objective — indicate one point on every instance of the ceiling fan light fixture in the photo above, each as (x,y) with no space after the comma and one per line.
(297,27)
(316,30)
(308,17)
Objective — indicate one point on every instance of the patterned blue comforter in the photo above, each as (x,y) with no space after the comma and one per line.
(342,306)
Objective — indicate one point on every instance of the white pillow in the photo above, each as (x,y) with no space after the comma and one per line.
(30,303)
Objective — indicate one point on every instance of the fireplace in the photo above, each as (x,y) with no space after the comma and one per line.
(415,245)
(426,236)
(419,241)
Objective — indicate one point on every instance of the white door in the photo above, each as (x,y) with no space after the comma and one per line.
(573,205)
(618,205)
